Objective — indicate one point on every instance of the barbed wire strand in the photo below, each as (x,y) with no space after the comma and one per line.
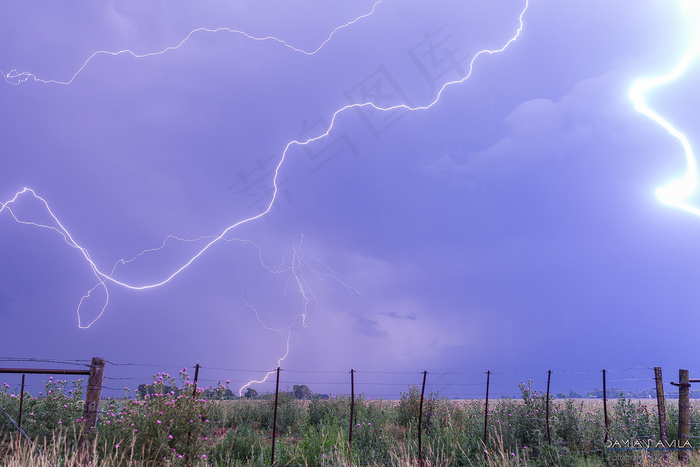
(25,435)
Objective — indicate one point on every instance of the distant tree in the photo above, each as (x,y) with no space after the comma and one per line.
(145,389)
(251,393)
(574,395)
(302,392)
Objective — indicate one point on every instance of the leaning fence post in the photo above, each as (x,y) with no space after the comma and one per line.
(352,408)
(605,408)
(420,421)
(92,405)
(196,375)
(486,412)
(683,414)
(661,404)
(549,377)
(274,417)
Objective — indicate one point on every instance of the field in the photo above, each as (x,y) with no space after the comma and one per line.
(170,427)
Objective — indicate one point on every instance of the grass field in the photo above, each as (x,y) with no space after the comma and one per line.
(173,428)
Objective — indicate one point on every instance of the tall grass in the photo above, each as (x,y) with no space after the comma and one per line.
(170,427)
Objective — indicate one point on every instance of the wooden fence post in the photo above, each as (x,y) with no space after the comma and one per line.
(92,405)
(94,390)
(420,421)
(683,414)
(486,412)
(352,409)
(274,418)
(661,404)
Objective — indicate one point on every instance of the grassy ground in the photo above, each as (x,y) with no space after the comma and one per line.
(169,427)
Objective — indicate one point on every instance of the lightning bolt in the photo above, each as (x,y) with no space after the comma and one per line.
(677,192)
(269,373)
(16,78)
(295,272)
(212,240)
(106,277)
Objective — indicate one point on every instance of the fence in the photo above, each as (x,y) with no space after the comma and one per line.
(637,382)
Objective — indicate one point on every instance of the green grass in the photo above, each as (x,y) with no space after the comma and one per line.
(170,427)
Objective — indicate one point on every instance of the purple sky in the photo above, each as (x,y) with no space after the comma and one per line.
(511,226)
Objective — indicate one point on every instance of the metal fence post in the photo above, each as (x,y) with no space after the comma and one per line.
(549,377)
(19,417)
(274,417)
(420,421)
(352,409)
(605,407)
(196,375)
(486,412)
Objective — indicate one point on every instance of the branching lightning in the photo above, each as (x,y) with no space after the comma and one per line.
(106,277)
(295,274)
(16,78)
(677,192)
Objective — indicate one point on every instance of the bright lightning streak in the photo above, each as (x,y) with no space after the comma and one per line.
(306,293)
(677,192)
(269,373)
(16,78)
(104,277)
(296,273)
(61,230)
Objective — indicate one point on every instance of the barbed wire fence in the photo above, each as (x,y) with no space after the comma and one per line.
(548,400)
